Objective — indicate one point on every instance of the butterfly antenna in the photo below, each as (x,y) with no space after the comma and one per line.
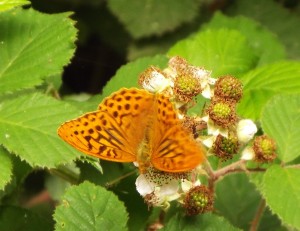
(111,183)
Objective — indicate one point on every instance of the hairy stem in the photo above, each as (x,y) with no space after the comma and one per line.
(211,175)
(238,166)
(258,215)
(293,166)
(234,167)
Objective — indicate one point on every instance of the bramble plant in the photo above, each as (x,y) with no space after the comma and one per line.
(233,87)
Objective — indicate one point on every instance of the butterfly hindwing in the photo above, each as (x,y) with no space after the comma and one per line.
(173,148)
(176,151)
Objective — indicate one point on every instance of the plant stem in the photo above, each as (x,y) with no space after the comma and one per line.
(293,166)
(258,215)
(211,175)
(234,167)
(238,166)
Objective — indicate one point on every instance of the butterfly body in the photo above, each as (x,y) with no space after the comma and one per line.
(134,125)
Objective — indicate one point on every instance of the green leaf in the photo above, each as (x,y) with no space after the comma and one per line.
(6,168)
(264,82)
(270,222)
(19,173)
(283,194)
(237,200)
(28,125)
(153,17)
(151,47)
(33,46)
(223,51)
(90,207)
(267,47)
(127,76)
(256,178)
(9,4)
(201,222)
(281,120)
(15,218)
(93,161)
(270,14)
(21,170)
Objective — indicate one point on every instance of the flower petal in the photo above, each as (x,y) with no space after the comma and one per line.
(246,129)
(143,185)
(248,154)
(169,189)
(209,141)
(207,92)
(186,185)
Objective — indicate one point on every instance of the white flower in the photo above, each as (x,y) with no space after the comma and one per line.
(208,142)
(167,192)
(156,82)
(246,129)
(213,129)
(186,185)
(248,154)
(205,82)
(170,73)
(144,186)
(202,74)
(207,92)
(178,66)
(161,194)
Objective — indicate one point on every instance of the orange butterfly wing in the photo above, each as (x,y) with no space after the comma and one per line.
(135,125)
(115,131)
(173,148)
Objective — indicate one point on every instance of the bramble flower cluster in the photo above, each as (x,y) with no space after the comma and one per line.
(218,128)
(180,80)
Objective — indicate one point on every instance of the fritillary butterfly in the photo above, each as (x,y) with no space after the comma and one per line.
(133,125)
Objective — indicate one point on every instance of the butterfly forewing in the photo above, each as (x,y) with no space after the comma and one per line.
(115,131)
(94,134)
(132,109)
